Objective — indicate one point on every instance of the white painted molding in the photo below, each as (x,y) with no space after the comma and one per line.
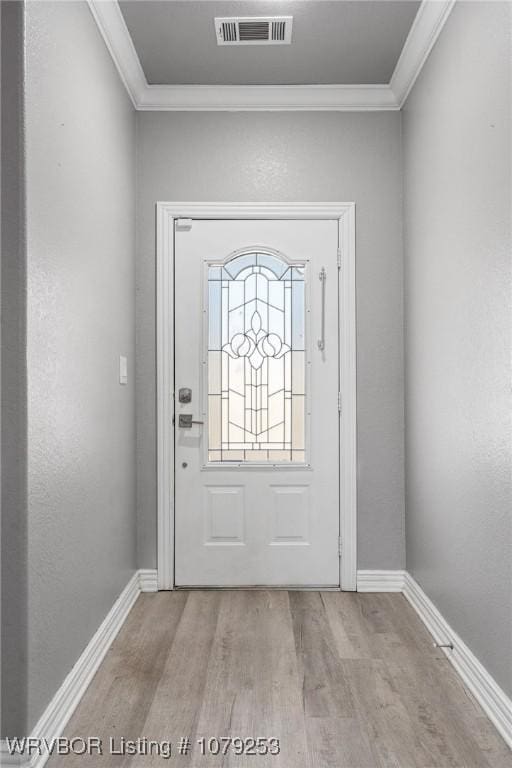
(493,700)
(164,394)
(425,30)
(380,581)
(148,580)
(202,210)
(426,27)
(111,24)
(268,98)
(495,703)
(348,388)
(7,759)
(166,213)
(58,712)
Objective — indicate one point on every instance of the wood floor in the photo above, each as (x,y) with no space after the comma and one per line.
(341,679)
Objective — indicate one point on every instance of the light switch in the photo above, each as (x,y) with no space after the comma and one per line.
(123,369)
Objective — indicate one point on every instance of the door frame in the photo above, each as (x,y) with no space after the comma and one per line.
(166,214)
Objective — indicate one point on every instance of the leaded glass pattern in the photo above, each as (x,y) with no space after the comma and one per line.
(256,360)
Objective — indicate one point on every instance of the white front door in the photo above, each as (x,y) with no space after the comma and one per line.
(257,374)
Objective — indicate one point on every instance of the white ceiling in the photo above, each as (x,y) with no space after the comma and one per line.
(350,42)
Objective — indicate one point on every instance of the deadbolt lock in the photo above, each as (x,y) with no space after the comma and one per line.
(185,395)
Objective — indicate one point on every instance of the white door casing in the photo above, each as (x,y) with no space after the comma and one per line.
(205,486)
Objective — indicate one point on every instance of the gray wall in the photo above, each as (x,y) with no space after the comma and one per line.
(457,136)
(291,157)
(13,382)
(80,135)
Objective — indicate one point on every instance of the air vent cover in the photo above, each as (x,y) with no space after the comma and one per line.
(254,30)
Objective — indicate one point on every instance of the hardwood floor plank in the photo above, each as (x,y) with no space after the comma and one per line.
(253,663)
(325,690)
(351,639)
(393,735)
(343,680)
(453,722)
(120,695)
(178,697)
(338,743)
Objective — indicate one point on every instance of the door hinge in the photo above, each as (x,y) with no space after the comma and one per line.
(339,401)
(339,546)
(183,225)
(339,258)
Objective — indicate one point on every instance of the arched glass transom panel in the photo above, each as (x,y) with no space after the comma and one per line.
(256,360)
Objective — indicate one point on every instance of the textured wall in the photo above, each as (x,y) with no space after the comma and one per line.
(81,424)
(291,157)
(457,136)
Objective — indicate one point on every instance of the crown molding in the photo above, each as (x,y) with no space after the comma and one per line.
(270,98)
(426,27)
(111,24)
(425,30)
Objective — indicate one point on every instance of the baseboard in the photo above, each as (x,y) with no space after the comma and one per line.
(6,759)
(57,714)
(380,581)
(495,703)
(148,580)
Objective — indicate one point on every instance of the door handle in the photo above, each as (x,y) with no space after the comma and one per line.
(321,341)
(185,421)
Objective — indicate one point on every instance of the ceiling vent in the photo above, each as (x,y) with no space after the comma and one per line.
(254,30)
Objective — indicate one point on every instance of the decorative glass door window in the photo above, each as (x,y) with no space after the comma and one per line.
(256,360)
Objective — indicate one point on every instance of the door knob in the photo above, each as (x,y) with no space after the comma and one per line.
(185,421)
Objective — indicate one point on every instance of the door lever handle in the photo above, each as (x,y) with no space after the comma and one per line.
(185,421)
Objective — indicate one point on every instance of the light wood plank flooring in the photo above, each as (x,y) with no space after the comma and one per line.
(341,679)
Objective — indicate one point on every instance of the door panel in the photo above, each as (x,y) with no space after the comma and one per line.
(290,514)
(224,508)
(257,479)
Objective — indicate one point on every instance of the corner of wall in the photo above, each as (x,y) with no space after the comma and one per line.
(13,376)
(404,332)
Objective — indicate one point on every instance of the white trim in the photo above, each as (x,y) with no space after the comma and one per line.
(58,712)
(165,398)
(380,581)
(426,28)
(493,700)
(424,31)
(348,396)
(8,760)
(495,703)
(255,248)
(111,24)
(268,98)
(148,580)
(167,212)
